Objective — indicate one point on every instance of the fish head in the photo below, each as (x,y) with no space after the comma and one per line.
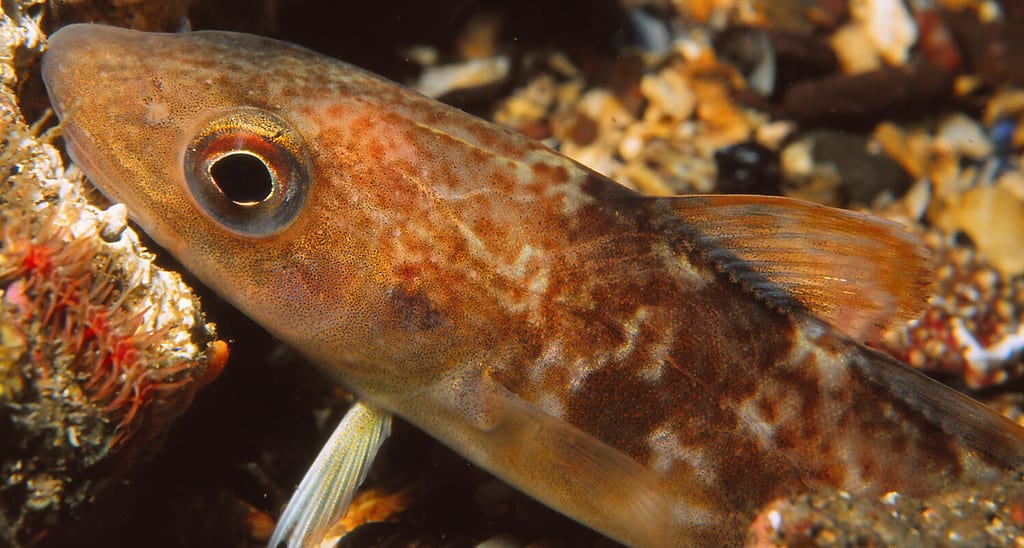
(221,147)
(137,107)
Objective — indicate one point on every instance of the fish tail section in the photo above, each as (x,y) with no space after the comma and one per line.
(983,435)
(834,413)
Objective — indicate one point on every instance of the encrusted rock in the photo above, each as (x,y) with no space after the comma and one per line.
(99,350)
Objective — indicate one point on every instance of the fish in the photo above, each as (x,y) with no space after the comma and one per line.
(655,368)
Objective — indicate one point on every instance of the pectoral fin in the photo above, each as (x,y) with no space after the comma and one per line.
(554,462)
(581,472)
(325,492)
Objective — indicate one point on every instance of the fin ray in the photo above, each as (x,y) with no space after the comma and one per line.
(326,490)
(861,274)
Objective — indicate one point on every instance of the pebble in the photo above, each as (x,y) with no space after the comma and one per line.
(748,168)
(834,168)
(888,25)
(984,514)
(993,217)
(965,136)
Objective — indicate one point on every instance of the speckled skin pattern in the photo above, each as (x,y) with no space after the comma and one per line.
(591,346)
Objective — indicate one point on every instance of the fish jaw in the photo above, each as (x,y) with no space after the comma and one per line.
(71,86)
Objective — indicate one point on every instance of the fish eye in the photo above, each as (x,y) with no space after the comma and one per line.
(247,170)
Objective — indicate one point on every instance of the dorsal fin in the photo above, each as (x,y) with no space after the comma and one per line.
(862,274)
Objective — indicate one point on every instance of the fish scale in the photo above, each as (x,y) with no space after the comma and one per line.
(655,368)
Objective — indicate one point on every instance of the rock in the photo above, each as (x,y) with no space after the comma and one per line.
(750,51)
(833,168)
(748,168)
(888,26)
(993,49)
(993,217)
(986,514)
(863,98)
(964,136)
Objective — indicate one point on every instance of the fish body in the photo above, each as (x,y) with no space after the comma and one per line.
(655,368)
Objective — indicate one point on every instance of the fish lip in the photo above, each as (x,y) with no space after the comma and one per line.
(81,151)
(68,49)
(59,59)
(61,65)
(57,64)
(52,69)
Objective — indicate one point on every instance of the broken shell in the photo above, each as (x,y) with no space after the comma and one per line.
(888,26)
(993,217)
(854,49)
(964,136)
(436,81)
(671,100)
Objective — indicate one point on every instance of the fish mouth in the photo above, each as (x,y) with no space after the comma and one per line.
(67,50)
(68,81)
(83,70)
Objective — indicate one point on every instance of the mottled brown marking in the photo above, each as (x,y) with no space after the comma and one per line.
(937,454)
(414,311)
(768,407)
(502,178)
(338,111)
(546,174)
(722,339)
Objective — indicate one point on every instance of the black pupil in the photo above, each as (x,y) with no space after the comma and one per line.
(243,178)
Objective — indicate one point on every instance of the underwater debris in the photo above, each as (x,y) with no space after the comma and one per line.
(370,505)
(99,350)
(945,169)
(984,514)
(974,326)
(656,127)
